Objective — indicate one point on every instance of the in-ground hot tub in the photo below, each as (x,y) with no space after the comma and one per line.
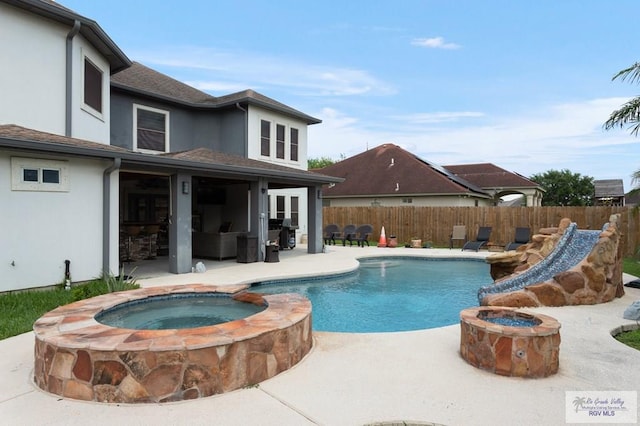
(509,342)
(78,357)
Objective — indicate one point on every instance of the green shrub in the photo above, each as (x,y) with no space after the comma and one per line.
(120,283)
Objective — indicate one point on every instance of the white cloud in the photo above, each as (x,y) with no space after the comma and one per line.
(437,117)
(434,43)
(208,66)
(561,136)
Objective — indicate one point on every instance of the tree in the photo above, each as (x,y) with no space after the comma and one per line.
(629,113)
(564,188)
(318,163)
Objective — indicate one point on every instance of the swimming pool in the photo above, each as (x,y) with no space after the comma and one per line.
(390,294)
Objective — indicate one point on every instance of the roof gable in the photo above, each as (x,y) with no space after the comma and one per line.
(389,170)
(143,80)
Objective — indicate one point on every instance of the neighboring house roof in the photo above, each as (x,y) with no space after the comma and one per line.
(389,170)
(490,176)
(88,28)
(608,188)
(632,198)
(148,82)
(200,160)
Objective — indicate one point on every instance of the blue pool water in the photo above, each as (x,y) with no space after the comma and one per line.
(185,310)
(390,294)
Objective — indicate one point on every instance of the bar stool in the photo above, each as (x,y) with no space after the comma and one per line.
(132,232)
(152,231)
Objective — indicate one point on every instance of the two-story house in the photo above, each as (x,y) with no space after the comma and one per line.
(101,157)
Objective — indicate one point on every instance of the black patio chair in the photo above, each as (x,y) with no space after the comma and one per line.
(331,231)
(363,232)
(348,234)
(482,239)
(522,237)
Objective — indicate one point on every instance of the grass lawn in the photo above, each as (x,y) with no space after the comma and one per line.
(18,311)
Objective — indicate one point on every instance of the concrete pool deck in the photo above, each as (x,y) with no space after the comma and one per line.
(357,379)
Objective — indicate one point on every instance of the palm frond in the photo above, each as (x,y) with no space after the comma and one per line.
(627,115)
(632,73)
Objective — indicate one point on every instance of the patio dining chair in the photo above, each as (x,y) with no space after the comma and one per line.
(459,233)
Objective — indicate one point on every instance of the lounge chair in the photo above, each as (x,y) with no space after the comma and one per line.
(522,237)
(331,231)
(459,233)
(482,239)
(348,234)
(363,232)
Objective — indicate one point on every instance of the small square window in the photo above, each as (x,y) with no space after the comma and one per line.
(50,176)
(34,174)
(30,175)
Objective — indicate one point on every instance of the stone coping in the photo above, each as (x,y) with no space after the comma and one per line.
(547,326)
(74,325)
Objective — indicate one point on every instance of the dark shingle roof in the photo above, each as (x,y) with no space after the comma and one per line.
(608,188)
(487,175)
(390,170)
(18,133)
(205,155)
(196,161)
(151,82)
(144,80)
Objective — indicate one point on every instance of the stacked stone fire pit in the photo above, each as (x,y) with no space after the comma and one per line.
(529,346)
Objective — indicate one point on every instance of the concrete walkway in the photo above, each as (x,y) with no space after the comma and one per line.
(357,379)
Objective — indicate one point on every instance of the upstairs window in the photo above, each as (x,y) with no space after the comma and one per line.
(92,86)
(151,129)
(280,141)
(265,138)
(294,144)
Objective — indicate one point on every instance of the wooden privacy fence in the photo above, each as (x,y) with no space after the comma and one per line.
(434,224)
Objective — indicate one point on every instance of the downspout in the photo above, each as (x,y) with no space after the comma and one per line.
(245,130)
(69,76)
(106,215)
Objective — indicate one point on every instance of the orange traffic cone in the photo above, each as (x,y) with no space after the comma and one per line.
(383,239)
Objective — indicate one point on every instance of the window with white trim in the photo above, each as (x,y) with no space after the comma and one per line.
(293,152)
(265,138)
(280,130)
(32,174)
(150,129)
(92,86)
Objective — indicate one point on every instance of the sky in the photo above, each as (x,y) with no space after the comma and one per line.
(525,85)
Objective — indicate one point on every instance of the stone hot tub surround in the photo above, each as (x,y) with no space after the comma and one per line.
(526,351)
(77,357)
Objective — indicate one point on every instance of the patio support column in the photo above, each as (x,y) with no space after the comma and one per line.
(314,208)
(180,224)
(259,213)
